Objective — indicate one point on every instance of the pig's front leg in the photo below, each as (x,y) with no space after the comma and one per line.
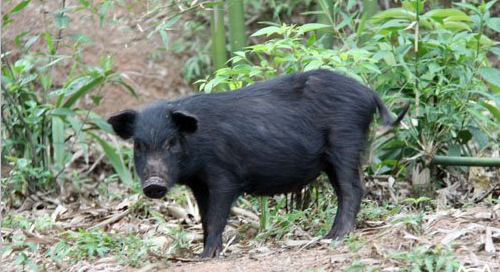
(220,199)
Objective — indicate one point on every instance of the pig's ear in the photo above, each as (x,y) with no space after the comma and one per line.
(123,123)
(186,122)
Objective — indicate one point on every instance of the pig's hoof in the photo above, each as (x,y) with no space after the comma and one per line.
(337,234)
(210,253)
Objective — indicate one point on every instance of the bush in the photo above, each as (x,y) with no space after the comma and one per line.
(437,60)
(43,122)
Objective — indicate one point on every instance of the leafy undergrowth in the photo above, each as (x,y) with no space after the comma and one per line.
(131,233)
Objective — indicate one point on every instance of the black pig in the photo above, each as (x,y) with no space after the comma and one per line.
(268,138)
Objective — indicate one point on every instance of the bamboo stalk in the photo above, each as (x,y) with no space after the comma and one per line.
(465,161)
(237,34)
(326,18)
(219,57)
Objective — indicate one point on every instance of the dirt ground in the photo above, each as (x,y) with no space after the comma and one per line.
(472,234)
(469,230)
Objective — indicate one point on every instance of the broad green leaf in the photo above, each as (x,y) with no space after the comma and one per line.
(493,110)
(469,7)
(445,13)
(484,40)
(394,13)
(115,159)
(412,5)
(495,50)
(490,4)
(494,23)
(454,25)
(83,90)
(80,38)
(62,21)
(395,23)
(62,112)
(480,137)
(311,27)
(268,31)
(491,75)
(100,122)
(458,18)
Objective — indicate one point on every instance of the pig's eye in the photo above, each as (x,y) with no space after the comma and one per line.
(139,146)
(168,144)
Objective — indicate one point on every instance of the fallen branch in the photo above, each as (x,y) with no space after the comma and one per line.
(112,219)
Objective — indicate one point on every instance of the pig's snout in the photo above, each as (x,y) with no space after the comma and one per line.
(155,187)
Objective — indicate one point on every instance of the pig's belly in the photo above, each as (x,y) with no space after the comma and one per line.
(276,179)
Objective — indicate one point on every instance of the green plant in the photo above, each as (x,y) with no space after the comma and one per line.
(293,51)
(419,202)
(437,59)
(76,245)
(43,121)
(428,258)
(413,222)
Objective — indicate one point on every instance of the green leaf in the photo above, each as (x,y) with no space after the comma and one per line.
(496,51)
(104,9)
(484,40)
(19,7)
(85,3)
(480,137)
(83,90)
(491,75)
(458,18)
(62,112)
(115,159)
(268,31)
(494,23)
(311,27)
(164,38)
(413,5)
(50,45)
(126,86)
(492,109)
(490,4)
(445,13)
(394,13)
(58,141)
(30,42)
(454,25)
(62,21)
(395,23)
(469,7)
(80,38)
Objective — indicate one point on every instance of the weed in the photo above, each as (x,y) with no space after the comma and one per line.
(42,121)
(425,258)
(412,222)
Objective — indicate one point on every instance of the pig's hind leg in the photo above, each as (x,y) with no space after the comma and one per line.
(344,159)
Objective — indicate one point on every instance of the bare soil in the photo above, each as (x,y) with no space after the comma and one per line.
(153,72)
